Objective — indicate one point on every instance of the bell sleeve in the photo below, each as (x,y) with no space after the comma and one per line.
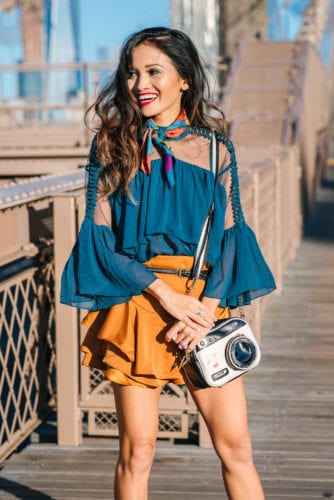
(96,276)
(240,274)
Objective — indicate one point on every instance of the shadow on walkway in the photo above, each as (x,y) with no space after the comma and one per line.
(19,490)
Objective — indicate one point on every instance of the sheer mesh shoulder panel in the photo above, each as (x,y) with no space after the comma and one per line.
(195,149)
(102,213)
(192,149)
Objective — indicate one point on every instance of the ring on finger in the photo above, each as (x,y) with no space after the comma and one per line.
(184,345)
(199,312)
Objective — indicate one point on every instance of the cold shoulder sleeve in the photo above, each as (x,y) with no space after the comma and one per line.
(96,276)
(240,273)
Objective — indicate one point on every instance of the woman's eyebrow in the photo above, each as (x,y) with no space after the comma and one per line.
(147,66)
(153,64)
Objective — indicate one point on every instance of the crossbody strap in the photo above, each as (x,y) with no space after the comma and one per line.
(203,244)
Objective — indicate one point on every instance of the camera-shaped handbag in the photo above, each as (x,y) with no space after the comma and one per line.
(226,352)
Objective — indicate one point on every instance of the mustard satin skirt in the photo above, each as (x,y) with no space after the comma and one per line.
(127,341)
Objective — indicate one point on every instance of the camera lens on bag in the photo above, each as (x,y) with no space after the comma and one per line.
(241,352)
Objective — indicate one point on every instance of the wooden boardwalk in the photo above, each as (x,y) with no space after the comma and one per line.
(291,405)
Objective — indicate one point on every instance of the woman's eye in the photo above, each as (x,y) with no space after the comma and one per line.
(131,74)
(154,71)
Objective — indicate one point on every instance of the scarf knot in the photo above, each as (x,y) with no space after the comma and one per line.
(159,137)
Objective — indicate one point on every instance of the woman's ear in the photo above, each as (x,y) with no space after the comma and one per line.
(184,85)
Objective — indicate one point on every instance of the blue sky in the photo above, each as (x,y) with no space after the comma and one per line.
(285,18)
(109,22)
(102,23)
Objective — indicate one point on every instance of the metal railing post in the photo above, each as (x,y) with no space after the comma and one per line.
(67,329)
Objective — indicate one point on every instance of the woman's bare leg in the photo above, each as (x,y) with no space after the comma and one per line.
(225,413)
(137,414)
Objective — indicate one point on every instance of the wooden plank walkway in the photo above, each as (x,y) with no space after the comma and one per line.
(290,395)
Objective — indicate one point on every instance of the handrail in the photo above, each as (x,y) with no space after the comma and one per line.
(40,67)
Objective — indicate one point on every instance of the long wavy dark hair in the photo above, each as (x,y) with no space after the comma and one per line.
(120,121)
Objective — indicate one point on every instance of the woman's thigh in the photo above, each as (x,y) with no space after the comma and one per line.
(224,410)
(137,412)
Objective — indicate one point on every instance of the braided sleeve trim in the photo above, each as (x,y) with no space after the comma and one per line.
(235,191)
(94,169)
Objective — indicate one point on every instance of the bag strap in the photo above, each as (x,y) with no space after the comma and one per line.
(203,244)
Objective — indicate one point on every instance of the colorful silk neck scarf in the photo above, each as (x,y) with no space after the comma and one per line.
(158,136)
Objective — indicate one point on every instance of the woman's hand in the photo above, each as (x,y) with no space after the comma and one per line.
(189,310)
(186,337)
(195,317)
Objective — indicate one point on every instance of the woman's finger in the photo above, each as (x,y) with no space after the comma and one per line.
(174,331)
(202,311)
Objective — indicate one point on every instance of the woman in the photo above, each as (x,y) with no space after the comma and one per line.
(149,190)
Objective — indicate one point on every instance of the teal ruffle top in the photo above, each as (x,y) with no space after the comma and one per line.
(106,266)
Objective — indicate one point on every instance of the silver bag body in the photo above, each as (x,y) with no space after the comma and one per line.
(226,352)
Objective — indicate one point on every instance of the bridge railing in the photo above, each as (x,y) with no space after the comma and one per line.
(38,93)
(27,327)
(35,94)
(27,304)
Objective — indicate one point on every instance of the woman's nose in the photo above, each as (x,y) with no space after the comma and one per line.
(142,83)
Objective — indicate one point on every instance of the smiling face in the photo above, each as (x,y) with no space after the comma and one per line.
(155,83)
